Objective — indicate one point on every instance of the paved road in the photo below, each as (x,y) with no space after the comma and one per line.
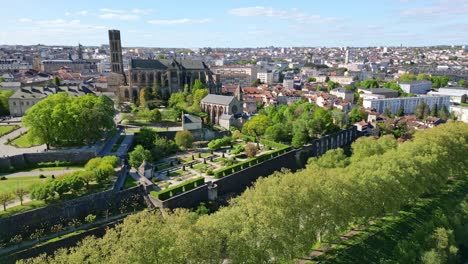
(37,173)
(8,150)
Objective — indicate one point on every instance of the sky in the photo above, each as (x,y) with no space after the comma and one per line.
(236,23)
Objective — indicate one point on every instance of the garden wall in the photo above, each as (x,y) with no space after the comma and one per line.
(97,203)
(27,159)
(198,135)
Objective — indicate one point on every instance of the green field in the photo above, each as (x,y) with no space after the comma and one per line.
(58,168)
(25,142)
(7,129)
(10,184)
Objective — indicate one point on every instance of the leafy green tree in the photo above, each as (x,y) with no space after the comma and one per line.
(2,79)
(422,110)
(256,83)
(42,191)
(461,83)
(256,126)
(56,81)
(62,120)
(138,155)
(20,192)
(197,85)
(423,77)
(155,116)
(356,115)
(177,99)
(439,81)
(387,112)
(4,106)
(277,133)
(156,89)
(144,96)
(332,85)
(401,111)
(370,83)
(184,139)
(444,113)
(312,79)
(5,198)
(407,77)
(75,182)
(105,171)
(60,186)
(435,110)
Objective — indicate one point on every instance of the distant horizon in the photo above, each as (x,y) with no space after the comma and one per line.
(240,23)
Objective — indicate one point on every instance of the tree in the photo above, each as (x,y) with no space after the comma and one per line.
(105,171)
(4,106)
(56,81)
(156,90)
(20,193)
(277,133)
(387,112)
(407,77)
(401,111)
(311,79)
(370,83)
(143,96)
(2,79)
(5,198)
(197,85)
(422,110)
(86,176)
(138,155)
(435,111)
(256,126)
(155,116)
(63,120)
(444,113)
(332,85)
(461,83)
(75,182)
(439,81)
(356,115)
(42,191)
(60,186)
(177,99)
(256,83)
(327,79)
(423,77)
(184,139)
(251,150)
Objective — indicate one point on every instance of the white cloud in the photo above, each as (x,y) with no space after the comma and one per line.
(180,21)
(439,8)
(109,10)
(291,14)
(116,16)
(24,20)
(77,13)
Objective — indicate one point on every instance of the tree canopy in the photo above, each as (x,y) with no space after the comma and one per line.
(61,119)
(282,216)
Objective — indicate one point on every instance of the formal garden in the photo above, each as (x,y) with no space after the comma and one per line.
(4,130)
(182,164)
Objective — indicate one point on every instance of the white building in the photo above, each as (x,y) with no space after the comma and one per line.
(12,64)
(265,77)
(343,94)
(416,87)
(409,103)
(288,83)
(461,112)
(457,94)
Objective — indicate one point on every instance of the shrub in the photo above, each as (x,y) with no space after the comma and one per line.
(90,218)
(251,150)
(216,144)
(3,178)
(172,191)
(42,176)
(184,139)
(210,172)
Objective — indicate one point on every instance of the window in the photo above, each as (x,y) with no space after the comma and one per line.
(14,103)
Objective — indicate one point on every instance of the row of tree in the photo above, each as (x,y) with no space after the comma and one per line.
(298,123)
(62,119)
(4,107)
(282,216)
(98,170)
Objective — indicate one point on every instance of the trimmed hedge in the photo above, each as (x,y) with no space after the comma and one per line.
(272,144)
(178,189)
(250,162)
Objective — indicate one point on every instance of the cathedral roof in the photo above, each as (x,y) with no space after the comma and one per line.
(217,99)
(163,64)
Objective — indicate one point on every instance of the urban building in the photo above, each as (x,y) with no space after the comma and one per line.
(385,92)
(12,86)
(13,64)
(457,94)
(27,96)
(223,110)
(73,65)
(416,87)
(409,103)
(343,94)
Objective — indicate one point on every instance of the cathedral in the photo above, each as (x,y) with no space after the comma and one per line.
(168,76)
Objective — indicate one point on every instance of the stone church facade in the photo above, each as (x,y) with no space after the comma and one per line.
(170,76)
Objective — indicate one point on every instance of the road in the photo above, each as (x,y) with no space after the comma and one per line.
(37,173)
(8,150)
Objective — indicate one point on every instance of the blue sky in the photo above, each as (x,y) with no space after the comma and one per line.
(237,23)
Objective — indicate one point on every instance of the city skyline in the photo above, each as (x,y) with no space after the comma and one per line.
(238,24)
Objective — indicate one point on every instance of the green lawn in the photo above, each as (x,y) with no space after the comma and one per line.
(25,142)
(45,169)
(10,184)
(22,208)
(176,173)
(7,129)
(129,182)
